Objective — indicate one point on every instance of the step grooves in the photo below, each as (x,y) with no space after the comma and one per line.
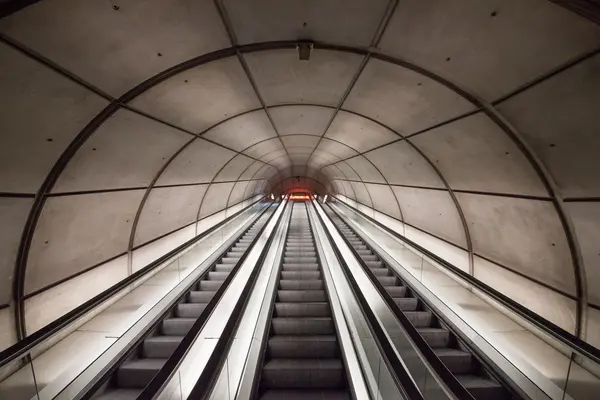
(303,359)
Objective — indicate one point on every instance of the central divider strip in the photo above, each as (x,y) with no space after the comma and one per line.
(210,373)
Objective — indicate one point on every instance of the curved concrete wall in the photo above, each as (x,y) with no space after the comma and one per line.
(473,125)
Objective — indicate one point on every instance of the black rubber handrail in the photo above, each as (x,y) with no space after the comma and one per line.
(205,383)
(161,379)
(402,377)
(437,365)
(22,347)
(576,344)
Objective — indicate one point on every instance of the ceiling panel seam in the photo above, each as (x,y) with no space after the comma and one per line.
(28,52)
(556,290)
(547,75)
(385,19)
(359,71)
(208,189)
(401,137)
(475,192)
(233,38)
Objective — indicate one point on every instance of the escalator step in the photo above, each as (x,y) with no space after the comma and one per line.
(299,275)
(420,319)
(482,388)
(435,337)
(407,303)
(302,296)
(160,346)
(457,361)
(138,373)
(303,373)
(177,326)
(302,326)
(318,346)
(305,395)
(302,310)
(396,291)
(289,284)
(200,296)
(190,310)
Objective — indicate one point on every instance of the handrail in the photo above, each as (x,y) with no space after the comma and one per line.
(161,379)
(19,349)
(583,348)
(204,385)
(402,378)
(438,366)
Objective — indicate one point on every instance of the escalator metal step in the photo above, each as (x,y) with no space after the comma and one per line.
(302,326)
(160,346)
(138,373)
(177,326)
(305,395)
(302,309)
(294,346)
(303,373)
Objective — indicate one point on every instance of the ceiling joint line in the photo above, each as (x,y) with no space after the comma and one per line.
(547,75)
(233,38)
(361,67)
(383,24)
(401,137)
(32,54)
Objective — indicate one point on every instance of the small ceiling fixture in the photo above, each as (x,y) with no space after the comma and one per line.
(304,49)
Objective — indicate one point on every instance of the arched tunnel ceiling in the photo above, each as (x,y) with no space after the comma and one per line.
(473,121)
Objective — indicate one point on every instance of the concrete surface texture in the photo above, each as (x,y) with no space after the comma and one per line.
(473,122)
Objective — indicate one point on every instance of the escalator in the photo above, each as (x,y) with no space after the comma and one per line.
(302,357)
(457,358)
(134,372)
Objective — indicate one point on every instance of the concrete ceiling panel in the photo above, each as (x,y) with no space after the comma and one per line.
(216,198)
(321,158)
(197,163)
(262,149)
(274,156)
(13,214)
(473,153)
(234,168)
(490,47)
(281,162)
(403,100)
(365,169)
(252,169)
(335,149)
(361,193)
(104,45)
(384,200)
(333,172)
(299,158)
(201,97)
(105,160)
(559,119)
(358,132)
(403,165)
(301,120)
(346,172)
(282,78)
(168,209)
(524,235)
(586,219)
(268,20)
(41,112)
(242,132)
(432,211)
(237,193)
(66,240)
(300,141)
